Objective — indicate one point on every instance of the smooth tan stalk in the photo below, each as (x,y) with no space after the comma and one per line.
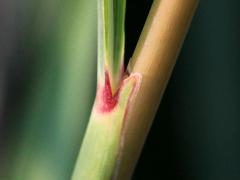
(154,58)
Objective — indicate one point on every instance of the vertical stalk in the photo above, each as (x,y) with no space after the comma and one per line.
(124,107)
(154,58)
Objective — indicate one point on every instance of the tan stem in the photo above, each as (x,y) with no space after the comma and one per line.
(154,58)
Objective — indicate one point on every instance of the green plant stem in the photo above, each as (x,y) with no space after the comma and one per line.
(119,124)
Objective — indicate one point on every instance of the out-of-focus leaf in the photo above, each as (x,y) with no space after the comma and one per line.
(54,86)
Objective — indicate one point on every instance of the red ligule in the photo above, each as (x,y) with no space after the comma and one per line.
(108,100)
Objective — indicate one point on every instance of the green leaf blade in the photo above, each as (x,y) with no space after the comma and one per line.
(111,41)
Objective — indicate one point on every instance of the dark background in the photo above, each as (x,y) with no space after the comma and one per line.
(196,132)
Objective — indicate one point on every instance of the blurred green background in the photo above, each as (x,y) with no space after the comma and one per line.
(47,87)
(48,67)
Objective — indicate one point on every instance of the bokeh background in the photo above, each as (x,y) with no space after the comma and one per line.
(47,87)
(48,74)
